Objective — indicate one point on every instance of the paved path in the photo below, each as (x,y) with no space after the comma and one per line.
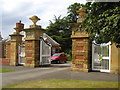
(56,71)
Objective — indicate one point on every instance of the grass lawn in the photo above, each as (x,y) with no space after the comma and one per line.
(6,70)
(69,61)
(64,83)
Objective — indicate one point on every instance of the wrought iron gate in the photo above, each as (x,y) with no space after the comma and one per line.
(101,57)
(21,54)
(45,53)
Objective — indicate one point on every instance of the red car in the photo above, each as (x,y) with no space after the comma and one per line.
(58,58)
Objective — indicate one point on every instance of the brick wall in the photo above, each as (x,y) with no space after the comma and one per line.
(3,50)
(8,51)
(4,61)
(0,49)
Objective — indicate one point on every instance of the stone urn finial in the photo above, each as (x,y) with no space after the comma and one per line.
(34,19)
(81,12)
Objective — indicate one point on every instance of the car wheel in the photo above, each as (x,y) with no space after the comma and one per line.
(65,61)
(58,61)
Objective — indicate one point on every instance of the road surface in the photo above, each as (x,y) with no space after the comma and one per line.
(26,74)
(55,71)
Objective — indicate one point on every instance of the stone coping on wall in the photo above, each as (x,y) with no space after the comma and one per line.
(80,34)
(34,29)
(16,34)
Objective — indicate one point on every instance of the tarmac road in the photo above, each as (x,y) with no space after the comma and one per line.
(55,71)
(28,73)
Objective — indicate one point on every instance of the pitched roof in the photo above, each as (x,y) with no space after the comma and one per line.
(50,40)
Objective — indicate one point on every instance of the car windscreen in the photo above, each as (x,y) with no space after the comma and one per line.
(56,55)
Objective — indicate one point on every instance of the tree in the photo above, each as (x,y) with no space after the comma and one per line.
(102,21)
(72,15)
(59,30)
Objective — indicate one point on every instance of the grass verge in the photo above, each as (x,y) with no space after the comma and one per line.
(69,61)
(6,70)
(64,83)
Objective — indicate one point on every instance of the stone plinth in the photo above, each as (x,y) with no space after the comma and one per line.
(16,39)
(80,50)
(32,46)
(80,45)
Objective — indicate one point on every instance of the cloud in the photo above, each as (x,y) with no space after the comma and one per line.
(15,10)
(13,15)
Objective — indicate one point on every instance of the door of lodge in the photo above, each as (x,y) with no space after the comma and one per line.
(101,57)
(45,53)
(21,54)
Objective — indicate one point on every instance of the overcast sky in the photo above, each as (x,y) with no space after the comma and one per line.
(15,10)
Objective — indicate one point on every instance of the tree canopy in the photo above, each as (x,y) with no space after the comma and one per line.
(72,15)
(60,29)
(102,21)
